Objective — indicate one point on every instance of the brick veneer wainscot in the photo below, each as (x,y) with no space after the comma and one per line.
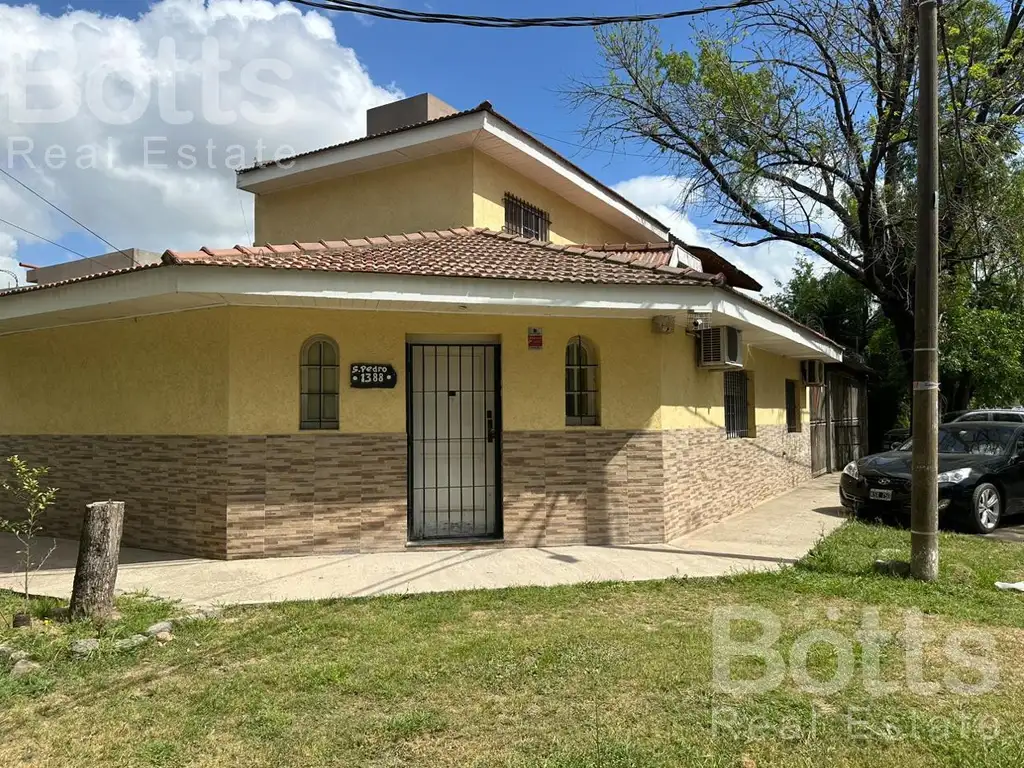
(266,495)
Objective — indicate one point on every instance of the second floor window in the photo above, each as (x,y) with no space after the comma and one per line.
(521,218)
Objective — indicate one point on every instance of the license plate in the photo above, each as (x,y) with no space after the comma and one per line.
(880,494)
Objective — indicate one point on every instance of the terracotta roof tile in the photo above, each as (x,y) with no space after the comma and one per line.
(468,253)
(461,252)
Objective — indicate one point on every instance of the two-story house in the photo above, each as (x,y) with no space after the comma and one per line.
(448,333)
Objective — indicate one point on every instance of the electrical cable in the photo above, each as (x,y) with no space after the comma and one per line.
(44,239)
(500,22)
(57,208)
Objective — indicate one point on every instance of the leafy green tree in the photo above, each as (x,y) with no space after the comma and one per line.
(981,360)
(834,304)
(795,121)
(831,303)
(981,344)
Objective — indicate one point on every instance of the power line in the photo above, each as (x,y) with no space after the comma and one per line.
(30,233)
(57,208)
(500,22)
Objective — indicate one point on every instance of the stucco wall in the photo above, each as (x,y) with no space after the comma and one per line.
(459,189)
(433,193)
(158,375)
(569,224)
(265,345)
(235,371)
(693,397)
(192,418)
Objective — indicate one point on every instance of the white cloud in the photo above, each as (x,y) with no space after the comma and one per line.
(664,197)
(286,85)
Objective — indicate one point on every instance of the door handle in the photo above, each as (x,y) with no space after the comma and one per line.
(490,426)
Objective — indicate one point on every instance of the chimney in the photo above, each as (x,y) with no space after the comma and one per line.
(402,114)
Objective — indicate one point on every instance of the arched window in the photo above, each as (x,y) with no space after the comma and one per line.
(581,389)
(319,381)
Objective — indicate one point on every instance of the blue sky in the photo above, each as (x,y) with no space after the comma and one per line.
(520,71)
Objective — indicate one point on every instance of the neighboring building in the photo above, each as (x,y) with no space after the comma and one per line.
(398,370)
(68,270)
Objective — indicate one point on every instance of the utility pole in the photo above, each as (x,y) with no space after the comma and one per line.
(924,494)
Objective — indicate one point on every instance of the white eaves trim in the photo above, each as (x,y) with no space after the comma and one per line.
(250,181)
(738,307)
(382,292)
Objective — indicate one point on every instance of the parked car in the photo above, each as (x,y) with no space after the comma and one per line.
(981,476)
(1009,415)
(896,437)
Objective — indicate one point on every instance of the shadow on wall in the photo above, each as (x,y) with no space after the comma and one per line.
(640,487)
(583,487)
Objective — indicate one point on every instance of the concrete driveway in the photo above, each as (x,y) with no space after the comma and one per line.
(776,533)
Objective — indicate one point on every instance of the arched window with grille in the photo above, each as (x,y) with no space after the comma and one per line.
(581,383)
(319,384)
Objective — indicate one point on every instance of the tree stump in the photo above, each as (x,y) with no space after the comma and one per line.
(92,595)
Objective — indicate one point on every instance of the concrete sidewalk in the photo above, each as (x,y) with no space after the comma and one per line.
(777,532)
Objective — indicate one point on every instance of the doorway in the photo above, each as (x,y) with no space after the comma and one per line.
(453,422)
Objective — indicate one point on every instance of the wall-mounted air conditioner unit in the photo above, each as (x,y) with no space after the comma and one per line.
(720,346)
(813,372)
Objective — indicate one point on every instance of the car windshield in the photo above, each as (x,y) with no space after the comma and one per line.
(965,437)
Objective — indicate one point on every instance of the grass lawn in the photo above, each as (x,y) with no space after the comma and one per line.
(596,675)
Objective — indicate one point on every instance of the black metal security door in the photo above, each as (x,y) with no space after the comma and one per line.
(453,417)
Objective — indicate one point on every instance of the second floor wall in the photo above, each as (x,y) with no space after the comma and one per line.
(456,189)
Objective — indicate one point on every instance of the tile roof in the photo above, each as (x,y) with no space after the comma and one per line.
(463,253)
(711,261)
(660,253)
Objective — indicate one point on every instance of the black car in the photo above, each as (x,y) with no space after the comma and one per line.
(897,436)
(981,476)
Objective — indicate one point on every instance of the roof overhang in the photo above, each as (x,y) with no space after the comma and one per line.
(483,130)
(174,288)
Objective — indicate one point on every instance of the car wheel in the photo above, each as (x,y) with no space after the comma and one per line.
(986,508)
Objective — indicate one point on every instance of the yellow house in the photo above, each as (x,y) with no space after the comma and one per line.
(453,335)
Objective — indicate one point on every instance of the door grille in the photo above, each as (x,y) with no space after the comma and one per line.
(454,432)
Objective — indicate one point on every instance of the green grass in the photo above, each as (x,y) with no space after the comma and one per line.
(594,675)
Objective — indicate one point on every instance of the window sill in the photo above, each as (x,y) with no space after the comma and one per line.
(469,541)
